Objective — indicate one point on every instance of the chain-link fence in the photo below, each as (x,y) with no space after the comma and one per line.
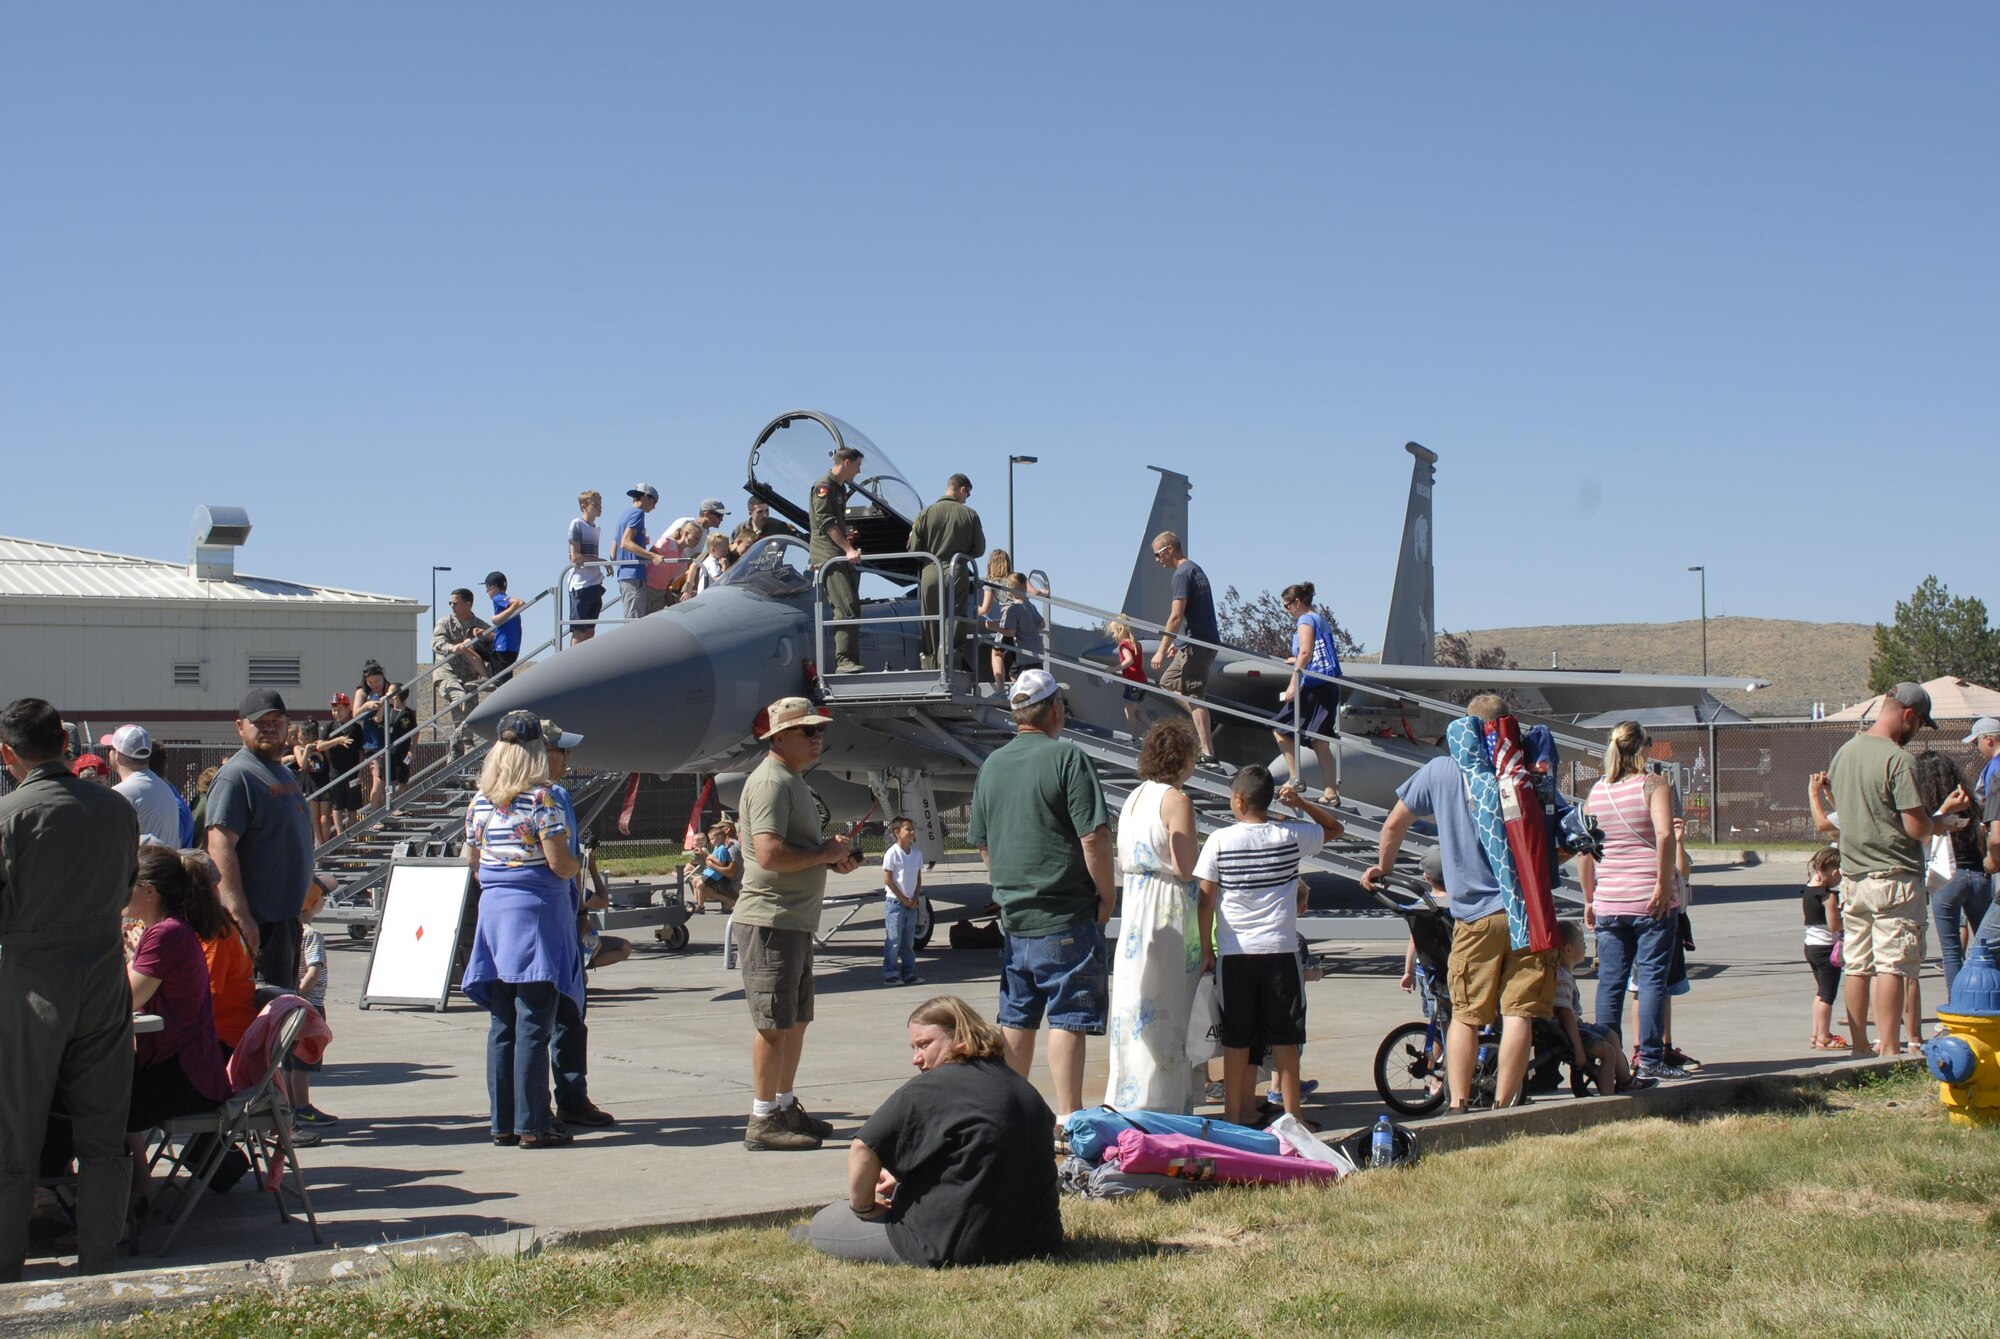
(1756,773)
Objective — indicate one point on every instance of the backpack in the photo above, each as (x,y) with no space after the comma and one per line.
(968,933)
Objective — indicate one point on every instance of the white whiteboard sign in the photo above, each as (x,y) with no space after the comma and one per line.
(416,939)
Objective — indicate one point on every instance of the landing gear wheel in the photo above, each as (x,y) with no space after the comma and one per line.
(926,922)
(674,937)
(357,931)
(1405,1072)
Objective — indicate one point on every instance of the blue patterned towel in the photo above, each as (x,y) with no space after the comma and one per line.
(1466,739)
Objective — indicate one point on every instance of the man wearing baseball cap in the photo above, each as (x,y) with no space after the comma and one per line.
(149,794)
(260,838)
(1884,826)
(634,550)
(785,862)
(711,513)
(1039,822)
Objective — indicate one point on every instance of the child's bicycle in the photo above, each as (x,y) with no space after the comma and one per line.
(1409,1064)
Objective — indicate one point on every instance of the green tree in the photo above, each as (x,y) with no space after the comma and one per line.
(1454,650)
(1935,634)
(1259,623)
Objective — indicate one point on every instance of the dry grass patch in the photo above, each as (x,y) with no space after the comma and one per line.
(1867,1216)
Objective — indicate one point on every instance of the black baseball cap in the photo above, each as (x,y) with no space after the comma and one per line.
(497,578)
(520,727)
(259,703)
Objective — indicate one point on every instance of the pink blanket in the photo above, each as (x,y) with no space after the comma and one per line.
(1188,1159)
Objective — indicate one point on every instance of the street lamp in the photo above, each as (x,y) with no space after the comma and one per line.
(1714,763)
(1012,461)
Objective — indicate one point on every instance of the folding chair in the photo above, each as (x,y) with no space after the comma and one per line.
(254,1121)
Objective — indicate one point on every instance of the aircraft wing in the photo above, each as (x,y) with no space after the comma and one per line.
(1543,692)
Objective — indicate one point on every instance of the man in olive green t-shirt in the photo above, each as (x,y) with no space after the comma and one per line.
(1038,820)
(785,861)
(1883,828)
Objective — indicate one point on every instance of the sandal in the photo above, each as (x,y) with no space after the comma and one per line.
(1836,1042)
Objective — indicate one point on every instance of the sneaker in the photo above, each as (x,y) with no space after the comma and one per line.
(796,1117)
(1276,1097)
(590,1115)
(1680,1059)
(304,1136)
(913,980)
(1207,760)
(555,1137)
(771,1132)
(309,1114)
(1660,1071)
(1214,1092)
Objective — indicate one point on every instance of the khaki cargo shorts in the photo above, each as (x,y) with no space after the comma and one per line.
(1488,977)
(1885,918)
(777,975)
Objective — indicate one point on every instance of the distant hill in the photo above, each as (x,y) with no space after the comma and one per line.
(1805,662)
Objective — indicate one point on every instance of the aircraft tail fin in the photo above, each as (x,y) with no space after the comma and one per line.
(1409,637)
(1150,591)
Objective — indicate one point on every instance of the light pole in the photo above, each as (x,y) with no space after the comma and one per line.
(434,588)
(1714,763)
(1012,461)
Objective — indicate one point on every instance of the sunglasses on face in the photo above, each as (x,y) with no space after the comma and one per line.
(810,731)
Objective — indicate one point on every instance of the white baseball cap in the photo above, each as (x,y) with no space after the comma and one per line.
(1985,725)
(1032,686)
(132,741)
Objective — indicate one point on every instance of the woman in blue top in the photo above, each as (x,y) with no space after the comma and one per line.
(371,708)
(525,954)
(1312,698)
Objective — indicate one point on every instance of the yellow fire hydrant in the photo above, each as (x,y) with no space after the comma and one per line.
(1965,1060)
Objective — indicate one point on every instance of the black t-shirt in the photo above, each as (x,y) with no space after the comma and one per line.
(976,1182)
(1814,903)
(348,752)
(403,730)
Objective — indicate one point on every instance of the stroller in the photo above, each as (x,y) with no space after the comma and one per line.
(1409,1064)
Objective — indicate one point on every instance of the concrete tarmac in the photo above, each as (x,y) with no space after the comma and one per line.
(669,1042)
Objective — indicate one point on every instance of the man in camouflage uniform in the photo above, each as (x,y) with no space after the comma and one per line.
(830,539)
(951,530)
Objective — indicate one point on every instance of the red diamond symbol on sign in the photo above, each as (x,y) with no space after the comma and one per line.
(420,932)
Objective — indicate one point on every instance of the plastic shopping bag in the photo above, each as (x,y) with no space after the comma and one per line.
(1204,1035)
(1297,1139)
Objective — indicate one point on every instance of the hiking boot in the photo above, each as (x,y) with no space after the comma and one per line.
(796,1117)
(771,1132)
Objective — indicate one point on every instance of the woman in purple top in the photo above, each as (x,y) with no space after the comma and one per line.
(177,1071)
(525,954)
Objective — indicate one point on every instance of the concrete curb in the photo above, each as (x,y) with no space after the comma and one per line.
(35,1308)
(1444,1134)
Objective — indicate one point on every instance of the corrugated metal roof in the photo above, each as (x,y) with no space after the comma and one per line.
(30,569)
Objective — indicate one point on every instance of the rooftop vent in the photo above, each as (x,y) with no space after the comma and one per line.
(218,533)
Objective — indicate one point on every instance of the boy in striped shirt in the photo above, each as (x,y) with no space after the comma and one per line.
(1251,897)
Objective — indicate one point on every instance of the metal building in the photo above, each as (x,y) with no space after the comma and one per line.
(173,646)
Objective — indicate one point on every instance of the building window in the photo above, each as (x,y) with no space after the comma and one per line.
(274,671)
(187,674)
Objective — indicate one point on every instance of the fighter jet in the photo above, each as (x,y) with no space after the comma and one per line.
(680,690)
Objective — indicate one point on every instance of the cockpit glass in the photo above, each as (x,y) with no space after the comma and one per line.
(775,568)
(793,458)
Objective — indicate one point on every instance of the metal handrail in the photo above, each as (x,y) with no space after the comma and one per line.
(947,616)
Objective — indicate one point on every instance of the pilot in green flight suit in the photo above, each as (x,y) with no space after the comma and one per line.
(830,538)
(951,530)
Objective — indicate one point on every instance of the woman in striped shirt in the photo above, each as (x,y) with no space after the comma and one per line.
(1628,892)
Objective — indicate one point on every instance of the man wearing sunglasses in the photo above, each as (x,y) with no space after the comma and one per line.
(785,861)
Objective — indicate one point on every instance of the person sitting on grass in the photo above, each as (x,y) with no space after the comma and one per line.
(1821,906)
(1594,1050)
(954,1169)
(1251,896)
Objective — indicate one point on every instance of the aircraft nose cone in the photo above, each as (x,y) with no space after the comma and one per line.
(643,697)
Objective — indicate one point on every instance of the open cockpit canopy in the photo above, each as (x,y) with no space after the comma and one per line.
(796,449)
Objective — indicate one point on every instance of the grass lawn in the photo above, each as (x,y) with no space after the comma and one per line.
(1862,1213)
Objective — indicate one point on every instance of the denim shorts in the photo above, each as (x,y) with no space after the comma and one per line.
(1064,974)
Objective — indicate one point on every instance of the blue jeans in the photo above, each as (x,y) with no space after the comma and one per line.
(517,1055)
(899,941)
(1962,902)
(1066,975)
(569,1051)
(1638,947)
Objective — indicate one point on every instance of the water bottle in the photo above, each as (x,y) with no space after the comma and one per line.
(1382,1144)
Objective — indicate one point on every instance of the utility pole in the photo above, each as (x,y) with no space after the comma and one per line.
(1012,555)
(1714,763)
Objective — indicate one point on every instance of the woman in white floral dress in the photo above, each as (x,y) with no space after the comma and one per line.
(1158,957)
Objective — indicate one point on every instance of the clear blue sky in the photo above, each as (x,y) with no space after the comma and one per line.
(1663,285)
